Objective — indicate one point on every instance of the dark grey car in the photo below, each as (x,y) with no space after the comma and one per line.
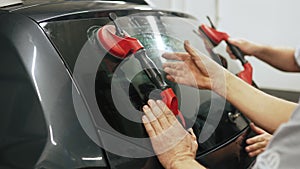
(64,105)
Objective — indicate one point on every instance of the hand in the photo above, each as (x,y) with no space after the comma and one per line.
(257,144)
(247,47)
(170,141)
(195,70)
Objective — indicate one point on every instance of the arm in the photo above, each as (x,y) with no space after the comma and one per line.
(202,72)
(192,164)
(263,109)
(279,57)
(174,146)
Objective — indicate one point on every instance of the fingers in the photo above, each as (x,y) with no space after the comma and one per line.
(190,50)
(173,139)
(176,56)
(159,116)
(235,42)
(257,129)
(256,146)
(255,153)
(167,112)
(148,126)
(171,71)
(255,149)
(182,80)
(169,77)
(190,130)
(232,56)
(181,73)
(255,139)
(194,139)
(247,47)
(202,62)
(161,112)
(152,119)
(192,53)
(175,71)
(174,65)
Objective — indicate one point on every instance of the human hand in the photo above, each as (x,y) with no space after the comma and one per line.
(195,70)
(170,141)
(257,144)
(247,47)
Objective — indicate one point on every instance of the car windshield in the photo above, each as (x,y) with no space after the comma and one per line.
(115,89)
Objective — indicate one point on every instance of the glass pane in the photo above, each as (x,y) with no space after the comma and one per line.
(120,87)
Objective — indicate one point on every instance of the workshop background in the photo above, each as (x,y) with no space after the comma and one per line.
(269,22)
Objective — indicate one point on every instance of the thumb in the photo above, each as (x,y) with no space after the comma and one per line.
(189,49)
(194,143)
(190,130)
(257,129)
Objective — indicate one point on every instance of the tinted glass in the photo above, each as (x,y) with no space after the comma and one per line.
(121,87)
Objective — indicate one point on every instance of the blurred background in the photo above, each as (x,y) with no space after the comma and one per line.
(271,22)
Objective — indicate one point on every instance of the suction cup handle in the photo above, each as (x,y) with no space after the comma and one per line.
(211,23)
(113,17)
(150,69)
(237,53)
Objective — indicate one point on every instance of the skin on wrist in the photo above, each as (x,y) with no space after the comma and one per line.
(258,50)
(219,88)
(186,163)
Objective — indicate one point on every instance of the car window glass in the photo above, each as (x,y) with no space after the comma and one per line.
(158,32)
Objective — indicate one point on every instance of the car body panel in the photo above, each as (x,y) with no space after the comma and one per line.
(53,85)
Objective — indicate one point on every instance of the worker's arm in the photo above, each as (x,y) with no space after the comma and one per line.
(263,109)
(187,164)
(174,146)
(279,57)
(202,72)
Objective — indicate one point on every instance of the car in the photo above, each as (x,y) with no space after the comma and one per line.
(69,102)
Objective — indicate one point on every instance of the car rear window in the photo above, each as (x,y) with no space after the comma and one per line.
(120,87)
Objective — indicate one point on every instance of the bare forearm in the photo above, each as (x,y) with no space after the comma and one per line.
(263,109)
(278,57)
(187,164)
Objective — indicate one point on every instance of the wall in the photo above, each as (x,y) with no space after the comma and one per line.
(268,22)
(197,8)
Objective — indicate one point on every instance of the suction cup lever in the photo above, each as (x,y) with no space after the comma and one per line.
(113,17)
(236,51)
(211,23)
(216,37)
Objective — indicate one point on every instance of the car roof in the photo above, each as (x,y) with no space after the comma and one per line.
(45,10)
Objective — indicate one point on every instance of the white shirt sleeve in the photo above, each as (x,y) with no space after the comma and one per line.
(283,151)
(297,55)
